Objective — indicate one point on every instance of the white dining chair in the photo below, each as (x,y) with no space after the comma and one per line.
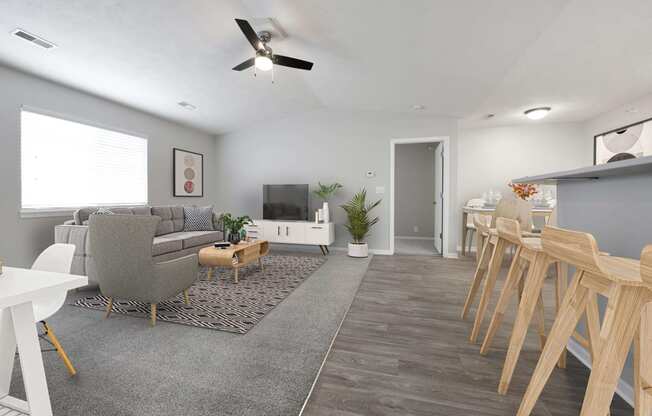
(58,259)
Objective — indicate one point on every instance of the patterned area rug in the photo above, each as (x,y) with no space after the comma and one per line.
(222,304)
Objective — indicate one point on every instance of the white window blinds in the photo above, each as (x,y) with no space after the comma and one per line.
(65,164)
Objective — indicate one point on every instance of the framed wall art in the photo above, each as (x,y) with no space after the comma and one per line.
(627,142)
(187,173)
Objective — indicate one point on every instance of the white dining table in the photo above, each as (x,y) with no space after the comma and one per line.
(19,288)
(466,210)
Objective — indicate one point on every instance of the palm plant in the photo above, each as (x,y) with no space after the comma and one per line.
(326,191)
(357,212)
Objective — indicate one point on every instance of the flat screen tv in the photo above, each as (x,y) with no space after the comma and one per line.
(286,202)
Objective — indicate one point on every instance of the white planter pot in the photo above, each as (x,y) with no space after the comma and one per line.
(358,250)
(325,213)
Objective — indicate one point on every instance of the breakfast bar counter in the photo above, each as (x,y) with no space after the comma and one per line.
(611,201)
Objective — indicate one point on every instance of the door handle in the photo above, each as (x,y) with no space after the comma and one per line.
(287,231)
(278,230)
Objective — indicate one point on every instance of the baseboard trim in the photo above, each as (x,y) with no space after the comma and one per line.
(624,389)
(412,237)
(377,251)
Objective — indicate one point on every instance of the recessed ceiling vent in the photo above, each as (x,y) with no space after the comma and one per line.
(187,105)
(38,41)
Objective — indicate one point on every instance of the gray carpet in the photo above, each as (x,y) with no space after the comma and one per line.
(220,303)
(127,368)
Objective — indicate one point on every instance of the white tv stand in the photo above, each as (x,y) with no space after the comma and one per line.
(293,232)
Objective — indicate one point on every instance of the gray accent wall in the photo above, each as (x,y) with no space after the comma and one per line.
(612,209)
(21,239)
(415,190)
(326,146)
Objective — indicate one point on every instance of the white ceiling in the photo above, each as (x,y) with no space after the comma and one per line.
(461,58)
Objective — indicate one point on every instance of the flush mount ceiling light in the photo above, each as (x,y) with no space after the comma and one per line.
(537,113)
(418,107)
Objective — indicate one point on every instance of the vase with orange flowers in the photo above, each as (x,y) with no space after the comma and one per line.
(524,190)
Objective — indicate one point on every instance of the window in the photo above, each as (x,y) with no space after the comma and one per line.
(66,164)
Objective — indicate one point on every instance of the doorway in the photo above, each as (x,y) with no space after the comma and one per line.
(418,196)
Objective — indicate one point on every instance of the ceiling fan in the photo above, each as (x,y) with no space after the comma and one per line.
(265,59)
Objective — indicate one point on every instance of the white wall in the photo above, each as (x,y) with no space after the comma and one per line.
(324,146)
(490,157)
(415,190)
(22,239)
(624,115)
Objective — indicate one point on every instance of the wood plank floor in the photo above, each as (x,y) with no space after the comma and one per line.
(403,350)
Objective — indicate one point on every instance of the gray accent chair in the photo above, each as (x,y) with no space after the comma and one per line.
(121,247)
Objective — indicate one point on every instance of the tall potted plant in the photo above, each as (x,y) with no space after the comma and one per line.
(235,226)
(359,223)
(325,192)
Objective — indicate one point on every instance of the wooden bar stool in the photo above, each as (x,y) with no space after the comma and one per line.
(491,258)
(480,237)
(529,254)
(626,283)
(642,361)
(484,240)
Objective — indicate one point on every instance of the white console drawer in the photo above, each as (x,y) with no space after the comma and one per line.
(318,234)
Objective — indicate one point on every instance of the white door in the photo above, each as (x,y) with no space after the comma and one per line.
(439,196)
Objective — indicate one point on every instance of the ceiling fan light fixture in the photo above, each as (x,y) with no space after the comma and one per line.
(537,113)
(263,63)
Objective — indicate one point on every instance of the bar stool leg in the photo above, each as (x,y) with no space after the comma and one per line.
(480,272)
(560,289)
(510,287)
(533,284)
(593,325)
(479,244)
(569,314)
(541,321)
(619,330)
(490,282)
(643,364)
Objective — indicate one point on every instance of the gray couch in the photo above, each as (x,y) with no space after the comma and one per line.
(170,241)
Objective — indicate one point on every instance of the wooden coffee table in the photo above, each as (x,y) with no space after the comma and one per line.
(235,256)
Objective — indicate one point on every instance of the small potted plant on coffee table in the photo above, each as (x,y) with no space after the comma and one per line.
(359,223)
(235,226)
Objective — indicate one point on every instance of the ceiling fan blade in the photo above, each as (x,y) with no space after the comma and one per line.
(292,62)
(246,64)
(250,34)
